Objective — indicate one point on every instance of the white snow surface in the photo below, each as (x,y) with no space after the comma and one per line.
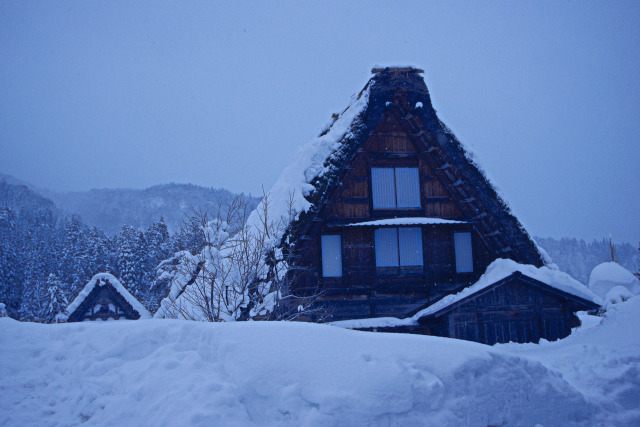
(608,275)
(404,221)
(101,279)
(501,268)
(172,372)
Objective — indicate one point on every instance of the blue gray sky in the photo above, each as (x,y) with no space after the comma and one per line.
(132,94)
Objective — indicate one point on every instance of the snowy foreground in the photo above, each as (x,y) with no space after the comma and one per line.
(174,373)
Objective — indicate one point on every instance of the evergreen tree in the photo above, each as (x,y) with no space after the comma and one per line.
(131,261)
(158,246)
(57,299)
(11,264)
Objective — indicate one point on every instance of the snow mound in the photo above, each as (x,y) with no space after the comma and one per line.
(616,295)
(173,372)
(608,275)
(600,359)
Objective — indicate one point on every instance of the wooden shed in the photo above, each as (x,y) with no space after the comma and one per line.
(517,308)
(104,298)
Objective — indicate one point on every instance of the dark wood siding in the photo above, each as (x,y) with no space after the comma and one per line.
(513,311)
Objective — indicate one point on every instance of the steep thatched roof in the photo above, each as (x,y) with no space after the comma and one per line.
(322,163)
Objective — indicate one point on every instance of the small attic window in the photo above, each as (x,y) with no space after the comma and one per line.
(395,188)
(419,105)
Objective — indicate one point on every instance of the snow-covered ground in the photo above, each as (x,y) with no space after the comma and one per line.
(169,372)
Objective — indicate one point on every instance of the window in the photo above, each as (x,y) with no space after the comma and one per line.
(395,188)
(331,256)
(398,247)
(464,252)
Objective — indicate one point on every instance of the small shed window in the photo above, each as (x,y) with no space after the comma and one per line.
(395,188)
(464,252)
(331,255)
(398,247)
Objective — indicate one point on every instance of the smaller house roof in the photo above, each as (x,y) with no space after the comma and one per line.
(102,279)
(503,268)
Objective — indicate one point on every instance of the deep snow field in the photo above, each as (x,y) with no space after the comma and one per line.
(181,373)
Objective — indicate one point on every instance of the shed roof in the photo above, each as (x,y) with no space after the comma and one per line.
(502,269)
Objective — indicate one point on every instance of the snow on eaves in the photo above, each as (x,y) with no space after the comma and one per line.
(101,279)
(375,322)
(502,268)
(404,221)
(286,199)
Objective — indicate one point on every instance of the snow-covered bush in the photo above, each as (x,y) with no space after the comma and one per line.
(239,275)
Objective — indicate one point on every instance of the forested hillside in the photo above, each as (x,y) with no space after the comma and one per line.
(47,256)
(578,258)
(110,209)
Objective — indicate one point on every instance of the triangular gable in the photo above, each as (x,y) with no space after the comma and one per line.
(105,284)
(556,283)
(401,95)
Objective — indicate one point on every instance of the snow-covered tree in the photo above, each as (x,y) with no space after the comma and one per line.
(57,299)
(132,261)
(240,273)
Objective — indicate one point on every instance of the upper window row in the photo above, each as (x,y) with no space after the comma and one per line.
(395,247)
(395,188)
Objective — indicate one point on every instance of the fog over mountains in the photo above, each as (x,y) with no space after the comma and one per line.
(110,209)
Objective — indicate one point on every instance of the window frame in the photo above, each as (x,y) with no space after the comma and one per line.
(395,207)
(399,269)
(455,252)
(323,255)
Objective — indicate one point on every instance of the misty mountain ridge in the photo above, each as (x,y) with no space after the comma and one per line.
(110,209)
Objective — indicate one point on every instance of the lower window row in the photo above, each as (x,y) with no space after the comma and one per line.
(395,247)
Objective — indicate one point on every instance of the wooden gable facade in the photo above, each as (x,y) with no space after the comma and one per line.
(400,181)
(104,298)
(517,308)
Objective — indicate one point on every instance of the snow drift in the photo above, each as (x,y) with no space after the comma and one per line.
(168,372)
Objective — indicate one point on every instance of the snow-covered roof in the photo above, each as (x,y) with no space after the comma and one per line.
(286,199)
(304,185)
(404,221)
(502,268)
(101,279)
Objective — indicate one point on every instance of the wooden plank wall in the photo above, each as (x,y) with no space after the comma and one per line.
(363,291)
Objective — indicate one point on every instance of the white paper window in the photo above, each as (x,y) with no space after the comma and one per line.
(407,188)
(398,247)
(395,188)
(386,247)
(384,196)
(410,243)
(464,252)
(331,255)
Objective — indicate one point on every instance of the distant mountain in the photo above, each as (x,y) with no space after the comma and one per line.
(109,209)
(18,197)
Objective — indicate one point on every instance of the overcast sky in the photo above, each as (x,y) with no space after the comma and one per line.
(221,94)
